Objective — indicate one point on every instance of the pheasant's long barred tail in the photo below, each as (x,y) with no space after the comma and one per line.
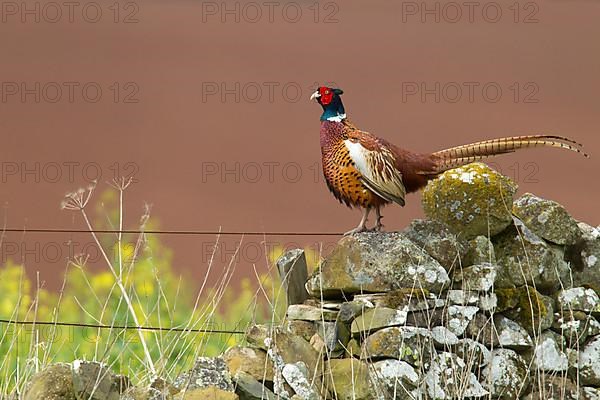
(461,155)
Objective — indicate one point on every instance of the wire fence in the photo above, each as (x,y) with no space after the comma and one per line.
(170,232)
(157,232)
(119,327)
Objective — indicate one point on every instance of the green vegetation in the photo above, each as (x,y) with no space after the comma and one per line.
(157,296)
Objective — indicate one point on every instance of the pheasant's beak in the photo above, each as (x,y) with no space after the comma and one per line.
(315,95)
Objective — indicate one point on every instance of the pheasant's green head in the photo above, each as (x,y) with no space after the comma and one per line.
(330,100)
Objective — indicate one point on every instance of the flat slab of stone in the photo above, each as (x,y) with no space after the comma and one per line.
(377,262)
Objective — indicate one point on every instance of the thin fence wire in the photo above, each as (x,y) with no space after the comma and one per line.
(119,327)
(170,232)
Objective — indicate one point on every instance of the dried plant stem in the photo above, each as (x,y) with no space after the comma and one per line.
(123,291)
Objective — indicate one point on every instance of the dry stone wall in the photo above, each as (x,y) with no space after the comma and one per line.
(486,298)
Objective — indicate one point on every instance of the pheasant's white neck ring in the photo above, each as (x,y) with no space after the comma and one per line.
(337,118)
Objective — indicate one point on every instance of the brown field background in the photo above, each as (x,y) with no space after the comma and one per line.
(177,132)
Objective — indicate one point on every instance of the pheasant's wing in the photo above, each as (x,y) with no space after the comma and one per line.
(374,159)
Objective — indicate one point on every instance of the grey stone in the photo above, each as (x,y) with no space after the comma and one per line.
(249,388)
(443,337)
(249,360)
(377,318)
(402,299)
(548,354)
(479,277)
(94,381)
(348,379)
(450,378)
(579,299)
(55,382)
(474,354)
(459,317)
(547,219)
(410,344)
(589,363)
(525,258)
(297,376)
(480,250)
(512,335)
(393,379)
(377,262)
(436,239)
(473,200)
(207,371)
(555,387)
(584,257)
(293,273)
(507,375)
(310,313)
(462,297)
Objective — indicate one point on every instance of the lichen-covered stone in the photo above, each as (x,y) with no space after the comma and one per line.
(461,297)
(575,326)
(211,392)
(257,335)
(297,376)
(207,372)
(459,317)
(310,313)
(291,349)
(479,277)
(413,299)
(377,318)
(410,344)
(393,379)
(547,219)
(585,258)
(550,386)
(548,354)
(589,363)
(507,375)
(473,200)
(348,379)
(437,240)
(249,360)
(579,299)
(376,262)
(443,337)
(335,336)
(480,250)
(482,329)
(512,335)
(351,309)
(450,378)
(527,306)
(94,381)
(475,354)
(304,329)
(54,382)
(525,258)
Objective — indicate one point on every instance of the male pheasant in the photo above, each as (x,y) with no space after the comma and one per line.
(365,171)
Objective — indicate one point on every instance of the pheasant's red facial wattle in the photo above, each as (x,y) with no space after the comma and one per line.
(326,95)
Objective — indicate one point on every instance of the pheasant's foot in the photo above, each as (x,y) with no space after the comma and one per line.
(378,225)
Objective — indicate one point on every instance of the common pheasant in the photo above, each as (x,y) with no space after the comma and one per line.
(363,170)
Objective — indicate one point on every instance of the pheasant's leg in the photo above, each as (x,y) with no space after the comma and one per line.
(378,225)
(362,226)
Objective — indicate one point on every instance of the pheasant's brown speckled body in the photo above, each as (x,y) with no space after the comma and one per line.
(363,170)
(342,176)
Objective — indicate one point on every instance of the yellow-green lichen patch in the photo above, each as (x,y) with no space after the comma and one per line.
(472,200)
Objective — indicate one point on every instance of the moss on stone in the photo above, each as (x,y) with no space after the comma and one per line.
(472,200)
